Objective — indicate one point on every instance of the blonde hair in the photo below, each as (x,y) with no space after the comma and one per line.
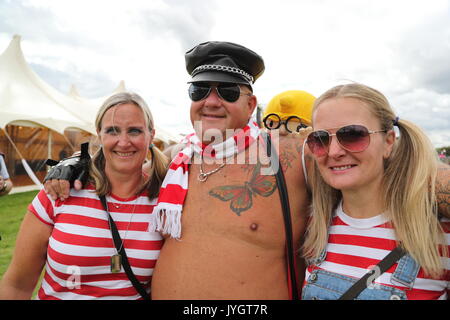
(159,160)
(408,186)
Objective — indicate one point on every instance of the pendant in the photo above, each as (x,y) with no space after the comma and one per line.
(116,263)
(202,177)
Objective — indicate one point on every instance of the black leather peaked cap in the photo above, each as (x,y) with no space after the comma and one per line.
(223,62)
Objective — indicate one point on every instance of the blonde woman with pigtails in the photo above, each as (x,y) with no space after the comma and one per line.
(372,191)
(75,240)
(156,168)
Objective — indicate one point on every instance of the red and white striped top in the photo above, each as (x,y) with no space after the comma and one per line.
(80,246)
(355,245)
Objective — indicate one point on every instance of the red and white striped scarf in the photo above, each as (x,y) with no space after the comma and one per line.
(175,185)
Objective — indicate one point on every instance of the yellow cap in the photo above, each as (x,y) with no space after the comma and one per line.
(292,103)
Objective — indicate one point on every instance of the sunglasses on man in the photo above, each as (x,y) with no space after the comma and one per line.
(353,138)
(229,92)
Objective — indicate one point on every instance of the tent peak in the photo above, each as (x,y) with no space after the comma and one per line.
(74,91)
(121,87)
(14,47)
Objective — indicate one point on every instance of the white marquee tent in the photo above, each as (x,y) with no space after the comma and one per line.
(26,99)
(29,103)
(89,109)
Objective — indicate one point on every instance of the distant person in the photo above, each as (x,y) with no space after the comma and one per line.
(73,238)
(372,193)
(6,184)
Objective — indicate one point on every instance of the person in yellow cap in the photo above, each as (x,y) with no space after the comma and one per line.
(289,111)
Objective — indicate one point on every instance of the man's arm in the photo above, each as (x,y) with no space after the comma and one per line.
(73,170)
(443,189)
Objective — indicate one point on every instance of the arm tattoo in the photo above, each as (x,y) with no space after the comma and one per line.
(286,159)
(290,151)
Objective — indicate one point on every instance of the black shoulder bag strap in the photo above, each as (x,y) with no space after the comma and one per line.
(121,250)
(382,266)
(282,190)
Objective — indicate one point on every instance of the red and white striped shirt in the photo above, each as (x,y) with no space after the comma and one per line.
(355,245)
(80,246)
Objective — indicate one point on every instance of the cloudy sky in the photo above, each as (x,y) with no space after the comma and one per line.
(400,47)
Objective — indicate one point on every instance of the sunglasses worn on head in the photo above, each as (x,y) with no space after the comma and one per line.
(229,92)
(292,124)
(353,138)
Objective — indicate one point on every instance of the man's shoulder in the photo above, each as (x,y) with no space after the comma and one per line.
(288,151)
(173,150)
(288,143)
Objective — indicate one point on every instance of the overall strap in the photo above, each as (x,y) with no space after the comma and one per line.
(282,190)
(382,266)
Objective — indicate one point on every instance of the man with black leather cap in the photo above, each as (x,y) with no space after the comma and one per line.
(219,205)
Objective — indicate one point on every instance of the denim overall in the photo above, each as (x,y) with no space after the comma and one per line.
(325,285)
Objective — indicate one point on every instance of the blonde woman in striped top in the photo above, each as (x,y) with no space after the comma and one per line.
(72,238)
(372,191)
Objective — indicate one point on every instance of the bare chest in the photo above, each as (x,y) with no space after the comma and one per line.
(237,202)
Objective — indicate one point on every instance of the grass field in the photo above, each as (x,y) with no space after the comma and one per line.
(12,210)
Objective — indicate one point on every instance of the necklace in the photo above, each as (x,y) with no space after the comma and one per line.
(117,206)
(116,259)
(203,176)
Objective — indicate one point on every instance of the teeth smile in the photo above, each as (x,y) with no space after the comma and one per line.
(341,168)
(213,116)
(124,154)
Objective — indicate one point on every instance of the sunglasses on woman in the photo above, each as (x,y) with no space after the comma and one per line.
(229,92)
(353,138)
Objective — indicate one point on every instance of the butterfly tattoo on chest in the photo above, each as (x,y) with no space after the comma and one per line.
(241,196)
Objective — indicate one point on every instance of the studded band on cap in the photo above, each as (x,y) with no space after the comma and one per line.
(215,67)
